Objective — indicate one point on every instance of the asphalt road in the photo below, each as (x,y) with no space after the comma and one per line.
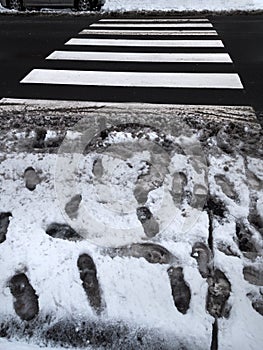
(243,39)
(26,40)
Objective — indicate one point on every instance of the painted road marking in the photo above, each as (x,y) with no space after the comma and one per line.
(135,79)
(141,57)
(155,25)
(148,43)
(200,82)
(147,32)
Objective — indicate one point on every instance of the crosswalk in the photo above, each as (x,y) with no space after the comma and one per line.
(153,60)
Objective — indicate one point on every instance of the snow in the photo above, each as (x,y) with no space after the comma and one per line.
(18,345)
(182,5)
(134,291)
(173,5)
(243,318)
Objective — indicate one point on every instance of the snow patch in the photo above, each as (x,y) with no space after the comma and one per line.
(167,5)
(185,5)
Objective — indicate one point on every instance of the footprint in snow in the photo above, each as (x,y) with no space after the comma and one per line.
(227,187)
(256,301)
(25,298)
(246,242)
(31,179)
(153,253)
(253,275)
(90,283)
(180,290)
(203,256)
(149,224)
(72,206)
(62,231)
(4,223)
(218,293)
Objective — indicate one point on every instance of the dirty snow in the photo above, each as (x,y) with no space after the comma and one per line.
(17,345)
(134,291)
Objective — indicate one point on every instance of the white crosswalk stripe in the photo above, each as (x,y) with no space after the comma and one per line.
(156,25)
(145,43)
(131,79)
(155,20)
(140,57)
(147,32)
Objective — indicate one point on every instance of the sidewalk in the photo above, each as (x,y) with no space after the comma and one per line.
(145,234)
(183,5)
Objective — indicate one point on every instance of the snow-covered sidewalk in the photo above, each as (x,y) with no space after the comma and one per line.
(171,5)
(182,5)
(144,234)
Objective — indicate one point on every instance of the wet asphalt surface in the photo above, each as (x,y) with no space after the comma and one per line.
(27,39)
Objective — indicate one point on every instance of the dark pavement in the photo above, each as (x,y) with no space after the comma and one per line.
(26,40)
(243,39)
